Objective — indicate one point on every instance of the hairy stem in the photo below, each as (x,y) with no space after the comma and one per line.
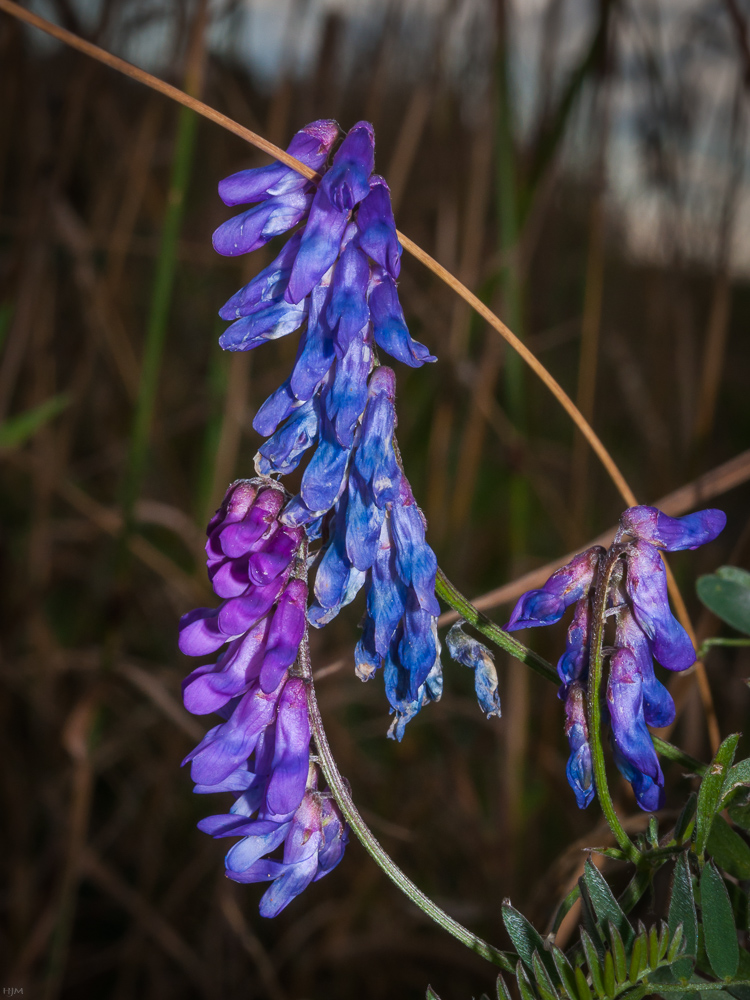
(456,600)
(341,794)
(596,663)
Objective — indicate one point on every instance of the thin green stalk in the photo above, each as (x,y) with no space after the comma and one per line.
(156,329)
(456,600)
(671,752)
(664,988)
(718,641)
(341,794)
(595,709)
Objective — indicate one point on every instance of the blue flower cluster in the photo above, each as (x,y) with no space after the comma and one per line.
(336,280)
(645,629)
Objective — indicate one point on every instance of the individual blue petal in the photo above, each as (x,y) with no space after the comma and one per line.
(566,586)
(300,859)
(283,452)
(377,227)
(254,228)
(389,326)
(658,706)
(579,770)
(269,323)
(573,665)
(335,837)
(316,353)
(270,284)
(364,523)
(397,689)
(648,794)
(415,561)
(673,533)
(367,660)
(646,585)
(311,145)
(475,655)
(375,458)
(298,514)
(275,409)
(625,705)
(347,182)
(266,836)
(337,581)
(348,313)
(324,477)
(386,596)
(320,246)
(262,870)
(346,396)
(419,646)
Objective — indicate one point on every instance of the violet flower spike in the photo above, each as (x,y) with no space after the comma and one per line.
(645,629)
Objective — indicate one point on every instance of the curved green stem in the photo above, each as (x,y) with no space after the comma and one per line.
(719,641)
(671,752)
(594,712)
(341,794)
(456,600)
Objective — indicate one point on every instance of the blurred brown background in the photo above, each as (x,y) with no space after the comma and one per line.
(583,166)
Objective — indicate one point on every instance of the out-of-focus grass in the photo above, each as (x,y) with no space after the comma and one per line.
(99,821)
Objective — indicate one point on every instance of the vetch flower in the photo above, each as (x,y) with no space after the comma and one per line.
(334,281)
(475,655)
(645,630)
(261,751)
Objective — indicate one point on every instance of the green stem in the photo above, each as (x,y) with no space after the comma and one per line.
(456,600)
(158,315)
(663,988)
(718,641)
(595,709)
(671,752)
(341,794)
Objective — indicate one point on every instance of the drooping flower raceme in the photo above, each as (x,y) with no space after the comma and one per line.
(261,752)
(335,279)
(645,630)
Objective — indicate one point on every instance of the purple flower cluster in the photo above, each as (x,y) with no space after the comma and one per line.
(261,752)
(335,279)
(645,629)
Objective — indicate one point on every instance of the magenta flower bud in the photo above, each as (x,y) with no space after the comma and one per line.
(285,634)
(237,538)
(275,556)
